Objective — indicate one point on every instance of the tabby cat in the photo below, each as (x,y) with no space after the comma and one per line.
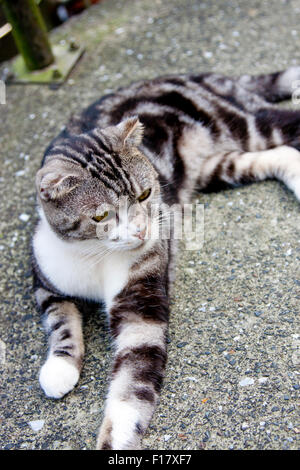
(154,142)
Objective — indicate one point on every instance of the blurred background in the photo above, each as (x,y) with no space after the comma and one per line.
(55,12)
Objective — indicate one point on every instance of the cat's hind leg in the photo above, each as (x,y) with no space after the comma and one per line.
(62,321)
(278,126)
(273,87)
(252,92)
(235,168)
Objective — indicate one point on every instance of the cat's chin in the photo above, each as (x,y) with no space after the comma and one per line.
(135,246)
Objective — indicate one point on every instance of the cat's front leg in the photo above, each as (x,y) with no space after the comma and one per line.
(138,319)
(62,321)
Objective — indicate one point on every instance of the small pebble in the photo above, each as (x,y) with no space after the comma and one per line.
(246,381)
(24,217)
(36,425)
(258,313)
(262,380)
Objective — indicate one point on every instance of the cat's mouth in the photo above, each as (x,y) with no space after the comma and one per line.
(130,245)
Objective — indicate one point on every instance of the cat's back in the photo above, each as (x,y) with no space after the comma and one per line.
(170,99)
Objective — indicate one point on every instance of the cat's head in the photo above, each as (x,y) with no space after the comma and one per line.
(100,186)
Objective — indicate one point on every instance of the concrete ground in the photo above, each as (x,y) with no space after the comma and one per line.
(233,373)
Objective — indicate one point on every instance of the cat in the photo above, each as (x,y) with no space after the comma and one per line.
(153,142)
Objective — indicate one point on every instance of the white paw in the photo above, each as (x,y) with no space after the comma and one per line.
(294,185)
(297,190)
(287,81)
(119,428)
(58,377)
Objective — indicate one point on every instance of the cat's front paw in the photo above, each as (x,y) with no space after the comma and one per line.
(297,189)
(119,430)
(58,377)
(294,185)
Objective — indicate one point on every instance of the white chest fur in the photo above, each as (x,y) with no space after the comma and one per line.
(73,270)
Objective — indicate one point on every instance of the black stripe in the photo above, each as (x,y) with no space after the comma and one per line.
(112,175)
(66,150)
(117,176)
(62,352)
(147,298)
(199,78)
(53,308)
(107,184)
(174,81)
(65,334)
(145,394)
(236,124)
(118,162)
(55,151)
(215,183)
(51,300)
(109,175)
(178,175)
(155,138)
(89,156)
(153,360)
(147,362)
(228,97)
(175,100)
(99,141)
(124,107)
(57,325)
(263,124)
(77,144)
(74,226)
(91,144)
(106,446)
(155,134)
(230,170)
(288,122)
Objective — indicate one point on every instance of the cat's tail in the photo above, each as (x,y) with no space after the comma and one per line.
(273,87)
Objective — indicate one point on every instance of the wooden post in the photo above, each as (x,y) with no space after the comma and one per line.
(29,32)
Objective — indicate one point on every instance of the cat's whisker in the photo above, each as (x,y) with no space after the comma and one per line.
(99,255)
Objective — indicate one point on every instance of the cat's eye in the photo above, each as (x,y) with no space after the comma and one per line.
(144,195)
(99,218)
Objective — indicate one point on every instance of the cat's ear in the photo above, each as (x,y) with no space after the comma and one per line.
(127,132)
(55,181)
(131,131)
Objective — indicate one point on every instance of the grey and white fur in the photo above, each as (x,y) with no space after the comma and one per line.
(156,141)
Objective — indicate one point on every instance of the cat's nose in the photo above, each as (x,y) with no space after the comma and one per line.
(141,233)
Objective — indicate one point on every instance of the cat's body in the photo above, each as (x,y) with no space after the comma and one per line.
(198,132)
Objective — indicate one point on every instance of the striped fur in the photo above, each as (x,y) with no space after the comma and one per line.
(172,135)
